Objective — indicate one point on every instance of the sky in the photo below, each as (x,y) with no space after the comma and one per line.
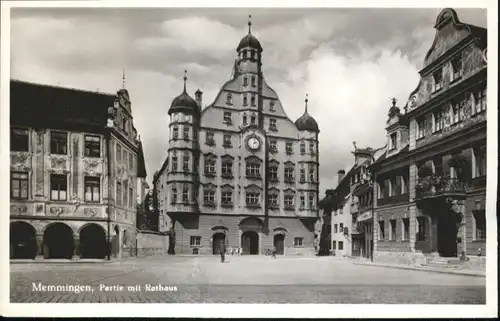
(351,62)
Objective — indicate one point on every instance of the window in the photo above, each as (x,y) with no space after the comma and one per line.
(19,139)
(59,143)
(288,201)
(186,132)
(456,65)
(406,229)
(244,120)
(130,197)
(480,162)
(273,173)
(119,193)
(381,230)
(421,228)
(302,201)
(124,125)
(174,195)
(271,105)
(185,164)
(253,170)
(226,140)
(209,197)
(210,140)
(227,168)
(185,194)
(252,56)
(480,101)
(227,117)
(334,245)
(19,185)
(131,162)
(92,189)
(302,148)
(438,80)
(209,167)
(393,143)
(175,133)
(252,120)
(395,186)
(252,198)
(381,190)
(58,187)
(341,245)
(253,78)
(392,234)
(341,210)
(195,241)
(125,195)
(311,201)
(252,100)
(404,186)
(438,120)
(298,241)
(272,146)
(174,163)
(289,174)
(302,175)
(245,100)
(289,148)
(341,228)
(457,112)
(312,174)
(273,200)
(245,81)
(92,146)
(118,153)
(272,125)
(311,148)
(420,128)
(335,228)
(479,225)
(125,156)
(229,99)
(227,198)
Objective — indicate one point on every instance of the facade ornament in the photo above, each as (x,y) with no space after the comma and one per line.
(91,212)
(57,210)
(18,208)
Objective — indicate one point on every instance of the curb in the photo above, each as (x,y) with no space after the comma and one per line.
(55,261)
(414,268)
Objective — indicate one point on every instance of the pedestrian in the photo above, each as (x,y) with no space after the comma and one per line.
(222,251)
(274,251)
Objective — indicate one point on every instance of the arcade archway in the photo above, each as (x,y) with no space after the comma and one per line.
(250,242)
(92,242)
(58,242)
(22,241)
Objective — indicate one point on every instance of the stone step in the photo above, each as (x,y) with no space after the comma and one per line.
(447,266)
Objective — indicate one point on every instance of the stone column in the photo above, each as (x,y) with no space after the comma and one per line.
(413,226)
(76,244)
(433,233)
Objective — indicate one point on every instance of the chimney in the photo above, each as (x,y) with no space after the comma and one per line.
(198,95)
(341,174)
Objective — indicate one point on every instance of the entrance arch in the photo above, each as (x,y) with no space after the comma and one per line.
(216,239)
(92,242)
(58,242)
(250,242)
(279,243)
(22,241)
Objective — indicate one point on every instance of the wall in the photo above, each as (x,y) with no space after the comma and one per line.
(151,243)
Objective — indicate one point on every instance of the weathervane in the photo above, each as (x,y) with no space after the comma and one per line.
(249,23)
(307,99)
(185,78)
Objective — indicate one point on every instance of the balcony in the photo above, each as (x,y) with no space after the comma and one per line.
(438,187)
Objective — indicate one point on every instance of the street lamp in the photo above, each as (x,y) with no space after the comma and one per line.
(110,124)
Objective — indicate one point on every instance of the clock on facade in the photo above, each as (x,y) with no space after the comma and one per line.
(253,143)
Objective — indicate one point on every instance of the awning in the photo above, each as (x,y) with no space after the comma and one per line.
(364,216)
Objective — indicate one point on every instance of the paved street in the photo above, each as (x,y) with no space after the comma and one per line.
(255,279)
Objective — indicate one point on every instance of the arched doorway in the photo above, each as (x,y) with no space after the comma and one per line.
(217,238)
(58,242)
(250,242)
(92,242)
(279,243)
(22,241)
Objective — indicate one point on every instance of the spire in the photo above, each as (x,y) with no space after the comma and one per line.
(249,24)
(307,99)
(123,78)
(393,102)
(185,79)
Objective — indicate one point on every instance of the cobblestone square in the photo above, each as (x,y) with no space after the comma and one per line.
(242,279)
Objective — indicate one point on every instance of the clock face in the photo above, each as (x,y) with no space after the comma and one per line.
(253,143)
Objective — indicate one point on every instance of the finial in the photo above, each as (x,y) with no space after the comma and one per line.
(393,102)
(354,143)
(307,99)
(249,24)
(185,78)
(123,78)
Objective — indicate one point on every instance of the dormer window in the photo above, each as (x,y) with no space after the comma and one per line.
(245,100)
(271,106)
(245,81)
(272,125)
(229,99)
(253,80)
(252,100)
(227,118)
(438,79)
(456,65)
(393,141)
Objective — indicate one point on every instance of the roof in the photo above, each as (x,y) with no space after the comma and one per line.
(307,122)
(249,41)
(184,103)
(141,164)
(160,171)
(69,108)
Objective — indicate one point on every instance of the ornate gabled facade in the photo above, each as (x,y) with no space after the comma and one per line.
(76,169)
(240,170)
(431,183)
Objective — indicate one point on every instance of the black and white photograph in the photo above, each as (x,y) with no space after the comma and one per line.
(169,153)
